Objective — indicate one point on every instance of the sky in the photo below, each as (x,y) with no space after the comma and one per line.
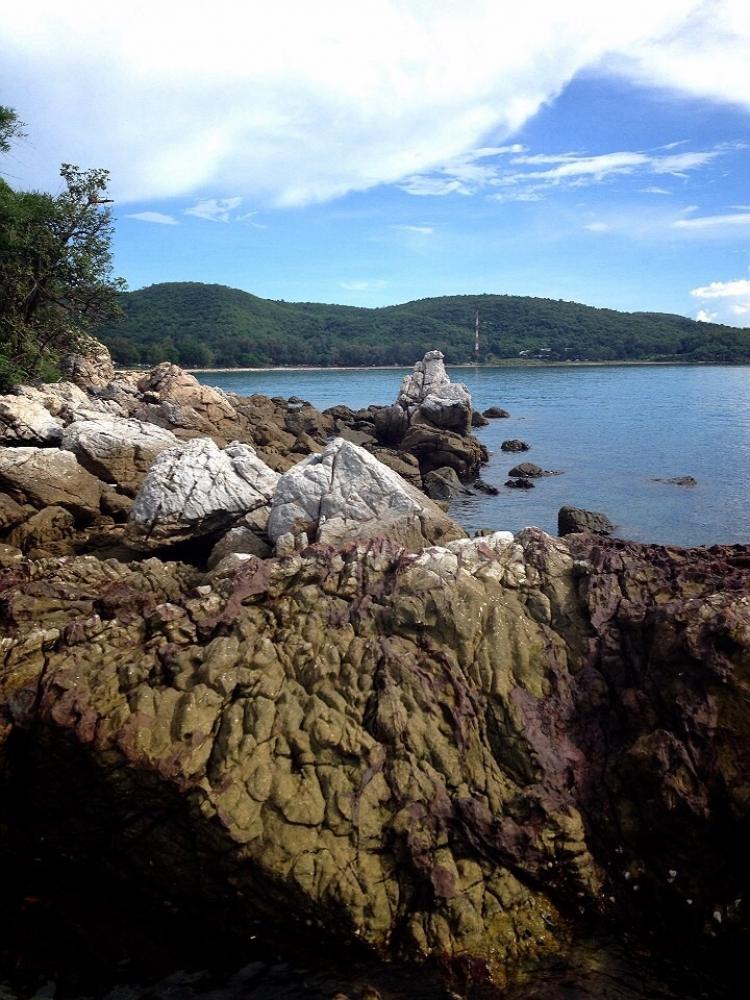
(370,152)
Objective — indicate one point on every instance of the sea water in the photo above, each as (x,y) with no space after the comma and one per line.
(610,430)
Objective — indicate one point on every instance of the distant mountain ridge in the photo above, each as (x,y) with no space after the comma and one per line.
(200,325)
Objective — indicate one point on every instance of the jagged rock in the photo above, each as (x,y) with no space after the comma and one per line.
(402,462)
(482,487)
(435,448)
(346,493)
(49,531)
(430,395)
(90,364)
(515,445)
(117,449)
(478,420)
(466,755)
(358,437)
(44,477)
(26,421)
(443,484)
(68,402)
(196,489)
(495,413)
(391,424)
(573,519)
(11,513)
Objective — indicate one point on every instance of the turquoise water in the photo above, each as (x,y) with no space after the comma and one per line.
(610,430)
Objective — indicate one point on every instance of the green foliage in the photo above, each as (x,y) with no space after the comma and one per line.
(202,325)
(55,267)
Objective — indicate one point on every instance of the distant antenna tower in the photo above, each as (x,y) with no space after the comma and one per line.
(476,336)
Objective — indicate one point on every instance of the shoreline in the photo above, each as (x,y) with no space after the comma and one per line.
(465,365)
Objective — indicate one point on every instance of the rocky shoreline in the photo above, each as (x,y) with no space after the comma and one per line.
(253,672)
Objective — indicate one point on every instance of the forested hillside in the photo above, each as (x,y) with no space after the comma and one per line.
(199,325)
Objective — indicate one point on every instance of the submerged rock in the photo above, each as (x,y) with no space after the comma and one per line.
(346,493)
(196,489)
(523,483)
(679,481)
(514,444)
(573,519)
(495,413)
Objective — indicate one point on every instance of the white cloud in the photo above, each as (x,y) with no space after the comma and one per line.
(422,230)
(372,285)
(713,221)
(291,103)
(597,227)
(730,301)
(653,189)
(215,209)
(158,217)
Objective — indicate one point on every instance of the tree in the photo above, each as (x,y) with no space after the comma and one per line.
(55,266)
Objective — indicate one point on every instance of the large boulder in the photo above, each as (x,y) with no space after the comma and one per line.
(346,493)
(44,477)
(26,421)
(196,489)
(429,395)
(116,449)
(89,364)
(571,520)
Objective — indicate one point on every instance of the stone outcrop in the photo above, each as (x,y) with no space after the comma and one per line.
(429,395)
(434,448)
(345,493)
(462,754)
(117,449)
(90,364)
(196,489)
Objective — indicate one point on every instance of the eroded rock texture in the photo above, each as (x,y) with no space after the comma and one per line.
(462,753)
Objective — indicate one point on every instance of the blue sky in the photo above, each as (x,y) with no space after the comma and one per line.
(387,150)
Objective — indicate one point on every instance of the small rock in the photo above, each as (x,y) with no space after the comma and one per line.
(514,445)
(519,484)
(478,420)
(528,470)
(679,481)
(573,519)
(495,413)
(442,484)
(482,487)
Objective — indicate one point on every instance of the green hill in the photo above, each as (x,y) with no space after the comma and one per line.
(199,325)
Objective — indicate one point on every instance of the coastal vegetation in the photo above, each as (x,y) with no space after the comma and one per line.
(55,266)
(201,325)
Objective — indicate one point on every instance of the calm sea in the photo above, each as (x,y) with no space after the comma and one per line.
(610,430)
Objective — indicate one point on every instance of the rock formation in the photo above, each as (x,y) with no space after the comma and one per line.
(573,519)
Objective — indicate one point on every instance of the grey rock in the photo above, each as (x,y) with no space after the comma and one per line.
(528,470)
(519,484)
(571,520)
(239,541)
(117,449)
(514,445)
(495,413)
(443,484)
(90,364)
(429,395)
(478,420)
(679,481)
(346,493)
(197,489)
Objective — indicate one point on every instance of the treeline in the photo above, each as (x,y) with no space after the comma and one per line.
(197,325)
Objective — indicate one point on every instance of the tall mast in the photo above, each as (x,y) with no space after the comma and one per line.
(476,336)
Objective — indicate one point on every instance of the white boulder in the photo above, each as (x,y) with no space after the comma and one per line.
(116,449)
(26,421)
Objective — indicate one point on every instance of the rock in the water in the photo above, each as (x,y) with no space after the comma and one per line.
(197,489)
(346,493)
(90,364)
(495,413)
(514,444)
(573,519)
(46,476)
(482,487)
(435,448)
(679,481)
(430,395)
(519,484)
(117,449)
(26,421)
(478,420)
(528,470)
(443,484)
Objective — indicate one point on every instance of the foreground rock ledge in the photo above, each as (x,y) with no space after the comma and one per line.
(460,754)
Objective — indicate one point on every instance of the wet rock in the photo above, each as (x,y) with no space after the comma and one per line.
(346,493)
(495,413)
(196,489)
(435,448)
(117,449)
(528,470)
(443,484)
(679,481)
(573,519)
(478,420)
(514,444)
(519,484)
(26,421)
(45,477)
